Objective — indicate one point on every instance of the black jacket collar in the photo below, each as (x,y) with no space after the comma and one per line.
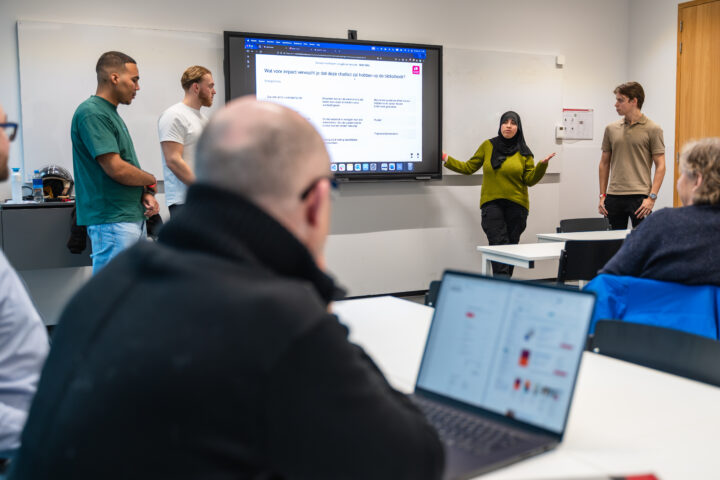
(226,224)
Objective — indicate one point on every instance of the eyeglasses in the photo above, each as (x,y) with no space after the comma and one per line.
(311,187)
(10,129)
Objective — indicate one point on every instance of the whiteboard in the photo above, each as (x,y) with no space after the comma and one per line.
(479,86)
(57,73)
(407,235)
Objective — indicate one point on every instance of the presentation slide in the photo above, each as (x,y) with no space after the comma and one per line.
(366,110)
(377,105)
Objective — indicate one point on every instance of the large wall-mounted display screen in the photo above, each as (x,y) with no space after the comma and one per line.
(377,105)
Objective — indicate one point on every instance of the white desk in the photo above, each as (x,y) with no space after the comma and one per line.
(594,235)
(548,247)
(522,255)
(624,418)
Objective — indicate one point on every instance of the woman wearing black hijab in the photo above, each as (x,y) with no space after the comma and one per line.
(504,200)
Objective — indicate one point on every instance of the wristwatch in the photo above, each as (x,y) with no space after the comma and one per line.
(652,196)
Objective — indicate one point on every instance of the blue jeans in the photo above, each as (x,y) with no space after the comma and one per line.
(109,239)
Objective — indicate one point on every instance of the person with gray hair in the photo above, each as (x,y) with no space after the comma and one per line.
(680,244)
(212,353)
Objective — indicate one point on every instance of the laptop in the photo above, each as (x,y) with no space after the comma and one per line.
(499,368)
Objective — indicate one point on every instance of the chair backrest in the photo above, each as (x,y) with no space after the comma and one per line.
(583,224)
(691,308)
(672,351)
(432,293)
(581,259)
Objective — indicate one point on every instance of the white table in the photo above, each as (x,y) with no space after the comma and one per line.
(624,418)
(549,247)
(594,235)
(522,255)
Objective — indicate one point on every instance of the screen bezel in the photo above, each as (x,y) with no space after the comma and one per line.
(431,166)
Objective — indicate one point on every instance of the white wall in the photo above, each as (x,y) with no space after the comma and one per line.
(652,61)
(379,252)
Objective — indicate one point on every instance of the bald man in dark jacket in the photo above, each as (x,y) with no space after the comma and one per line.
(212,354)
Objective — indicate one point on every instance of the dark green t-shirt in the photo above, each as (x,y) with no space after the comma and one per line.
(97,129)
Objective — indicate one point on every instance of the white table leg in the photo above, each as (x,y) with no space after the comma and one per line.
(486,266)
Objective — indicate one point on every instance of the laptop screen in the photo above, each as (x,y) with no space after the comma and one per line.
(509,347)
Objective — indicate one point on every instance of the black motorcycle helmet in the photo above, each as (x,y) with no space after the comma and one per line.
(57,182)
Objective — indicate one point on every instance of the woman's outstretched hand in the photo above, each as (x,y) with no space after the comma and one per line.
(547,159)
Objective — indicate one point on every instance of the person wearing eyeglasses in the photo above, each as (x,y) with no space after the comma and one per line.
(113,195)
(23,341)
(212,353)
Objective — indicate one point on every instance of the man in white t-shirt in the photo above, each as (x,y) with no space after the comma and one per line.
(179,129)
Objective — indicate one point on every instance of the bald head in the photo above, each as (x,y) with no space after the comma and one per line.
(263,151)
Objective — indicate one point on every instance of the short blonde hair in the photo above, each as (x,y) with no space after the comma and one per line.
(703,157)
(192,75)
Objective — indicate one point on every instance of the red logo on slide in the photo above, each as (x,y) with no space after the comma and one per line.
(416,69)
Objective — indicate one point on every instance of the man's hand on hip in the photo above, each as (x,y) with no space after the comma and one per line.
(645,208)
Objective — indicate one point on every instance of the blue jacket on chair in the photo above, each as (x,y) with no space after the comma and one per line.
(690,308)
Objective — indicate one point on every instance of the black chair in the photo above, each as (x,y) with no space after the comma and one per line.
(671,351)
(432,293)
(581,259)
(583,224)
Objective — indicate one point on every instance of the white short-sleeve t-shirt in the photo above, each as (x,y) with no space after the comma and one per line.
(181,124)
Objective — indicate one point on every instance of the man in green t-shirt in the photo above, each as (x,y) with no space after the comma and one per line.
(630,147)
(113,195)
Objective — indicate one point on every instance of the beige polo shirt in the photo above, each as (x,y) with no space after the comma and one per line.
(632,148)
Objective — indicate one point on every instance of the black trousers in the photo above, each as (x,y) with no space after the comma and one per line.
(622,207)
(503,222)
(175,208)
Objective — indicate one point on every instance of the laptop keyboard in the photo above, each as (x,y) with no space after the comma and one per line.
(468,432)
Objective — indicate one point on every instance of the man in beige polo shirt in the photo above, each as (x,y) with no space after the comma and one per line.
(630,147)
